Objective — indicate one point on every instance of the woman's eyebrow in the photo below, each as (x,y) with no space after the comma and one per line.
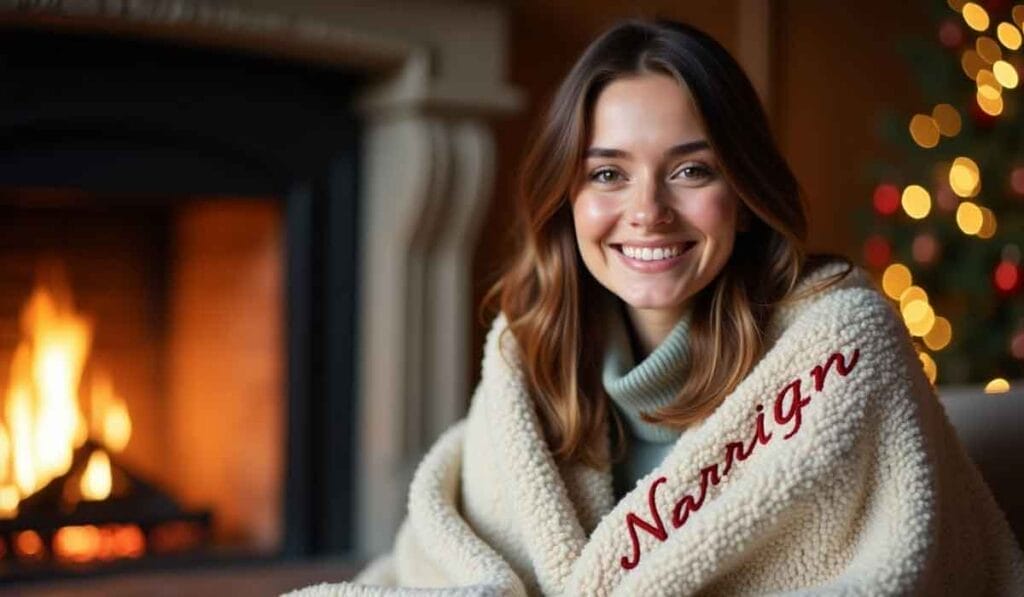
(676,150)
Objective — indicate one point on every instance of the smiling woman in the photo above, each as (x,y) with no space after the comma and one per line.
(655,140)
(655,221)
(675,397)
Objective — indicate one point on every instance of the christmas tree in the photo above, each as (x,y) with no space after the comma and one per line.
(944,229)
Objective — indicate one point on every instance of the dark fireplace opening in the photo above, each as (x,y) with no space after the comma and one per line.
(191,215)
(167,322)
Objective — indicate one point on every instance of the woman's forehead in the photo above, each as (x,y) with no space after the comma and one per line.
(645,110)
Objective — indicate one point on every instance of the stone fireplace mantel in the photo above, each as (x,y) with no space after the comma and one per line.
(436,73)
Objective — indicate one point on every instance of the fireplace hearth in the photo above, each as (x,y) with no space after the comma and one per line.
(203,205)
(67,500)
(136,520)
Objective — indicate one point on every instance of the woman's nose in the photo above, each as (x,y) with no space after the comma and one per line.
(648,208)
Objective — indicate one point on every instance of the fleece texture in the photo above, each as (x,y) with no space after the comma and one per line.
(831,469)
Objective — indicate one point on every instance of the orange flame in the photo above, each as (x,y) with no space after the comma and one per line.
(87,543)
(43,421)
(109,418)
(95,484)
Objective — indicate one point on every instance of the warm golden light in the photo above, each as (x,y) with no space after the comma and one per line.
(42,403)
(964,177)
(5,455)
(129,541)
(1017,14)
(88,543)
(77,543)
(940,335)
(931,370)
(9,499)
(111,424)
(44,422)
(988,86)
(922,326)
(117,427)
(992,107)
(988,49)
(948,119)
(997,386)
(20,417)
(975,16)
(972,63)
(1005,74)
(969,217)
(988,223)
(912,293)
(915,310)
(924,130)
(96,480)
(1009,36)
(916,201)
(895,279)
(28,545)
(919,317)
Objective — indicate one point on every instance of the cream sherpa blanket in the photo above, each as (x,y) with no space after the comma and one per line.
(831,469)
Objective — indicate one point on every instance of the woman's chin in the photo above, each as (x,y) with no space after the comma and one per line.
(653,305)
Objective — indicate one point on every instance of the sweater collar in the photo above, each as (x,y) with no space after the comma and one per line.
(650,385)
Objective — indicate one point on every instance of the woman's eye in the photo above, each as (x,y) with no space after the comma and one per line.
(605,175)
(693,172)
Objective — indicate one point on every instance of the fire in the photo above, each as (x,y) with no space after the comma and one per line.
(9,501)
(88,542)
(109,414)
(43,423)
(95,484)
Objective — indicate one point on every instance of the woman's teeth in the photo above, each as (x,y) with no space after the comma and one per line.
(649,254)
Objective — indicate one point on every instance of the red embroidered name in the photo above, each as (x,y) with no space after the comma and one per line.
(788,410)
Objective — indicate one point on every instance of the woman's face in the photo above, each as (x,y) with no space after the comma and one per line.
(655,220)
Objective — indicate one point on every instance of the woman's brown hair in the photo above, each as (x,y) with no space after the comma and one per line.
(549,297)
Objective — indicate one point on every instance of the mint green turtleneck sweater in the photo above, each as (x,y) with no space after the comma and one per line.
(645,387)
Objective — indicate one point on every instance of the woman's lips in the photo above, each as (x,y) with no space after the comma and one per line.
(650,267)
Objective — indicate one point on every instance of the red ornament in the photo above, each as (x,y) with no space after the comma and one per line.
(1007,277)
(951,34)
(877,251)
(925,248)
(946,198)
(886,199)
(1017,345)
(1017,180)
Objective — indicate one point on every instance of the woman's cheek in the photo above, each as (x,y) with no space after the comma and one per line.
(594,218)
(711,211)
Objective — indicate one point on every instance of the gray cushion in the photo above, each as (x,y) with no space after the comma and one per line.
(991,427)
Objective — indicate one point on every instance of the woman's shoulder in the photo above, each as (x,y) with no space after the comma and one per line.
(502,364)
(500,342)
(829,274)
(833,291)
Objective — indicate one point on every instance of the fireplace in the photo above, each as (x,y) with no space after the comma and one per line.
(178,267)
(220,183)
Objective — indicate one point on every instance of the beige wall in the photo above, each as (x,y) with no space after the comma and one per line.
(832,68)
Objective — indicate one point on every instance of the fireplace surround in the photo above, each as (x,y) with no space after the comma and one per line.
(366,128)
